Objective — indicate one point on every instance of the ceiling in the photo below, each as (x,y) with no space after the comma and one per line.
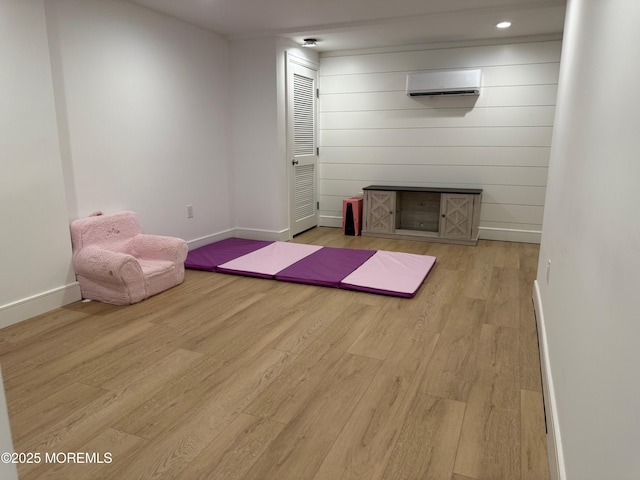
(355,24)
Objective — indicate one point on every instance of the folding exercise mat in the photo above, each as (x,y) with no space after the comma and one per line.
(210,256)
(374,271)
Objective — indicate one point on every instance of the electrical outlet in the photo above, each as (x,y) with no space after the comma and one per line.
(548,270)
(189,211)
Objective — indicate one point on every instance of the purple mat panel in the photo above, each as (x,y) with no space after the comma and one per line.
(326,267)
(210,256)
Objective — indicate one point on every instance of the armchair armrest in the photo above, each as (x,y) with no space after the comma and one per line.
(106,266)
(159,247)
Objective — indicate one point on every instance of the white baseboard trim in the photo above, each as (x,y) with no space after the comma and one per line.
(554,442)
(259,234)
(40,303)
(251,233)
(510,235)
(486,233)
(207,239)
(329,221)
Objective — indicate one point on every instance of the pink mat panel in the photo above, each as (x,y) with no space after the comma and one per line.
(269,260)
(390,273)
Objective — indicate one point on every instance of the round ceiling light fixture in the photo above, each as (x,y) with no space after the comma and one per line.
(503,25)
(309,42)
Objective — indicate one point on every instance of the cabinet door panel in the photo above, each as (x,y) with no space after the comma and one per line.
(456,215)
(380,207)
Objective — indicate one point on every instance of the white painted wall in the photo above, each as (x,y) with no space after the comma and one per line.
(258,126)
(591,233)
(143,110)
(372,133)
(35,247)
(257,166)
(110,106)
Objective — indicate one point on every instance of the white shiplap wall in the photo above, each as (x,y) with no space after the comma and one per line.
(371,133)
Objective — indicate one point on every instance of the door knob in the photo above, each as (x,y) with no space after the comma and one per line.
(294,162)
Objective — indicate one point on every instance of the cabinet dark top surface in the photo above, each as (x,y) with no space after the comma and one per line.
(395,188)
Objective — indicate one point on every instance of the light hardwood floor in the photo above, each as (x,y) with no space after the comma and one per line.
(227,377)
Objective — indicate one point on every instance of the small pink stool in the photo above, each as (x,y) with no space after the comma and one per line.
(352,224)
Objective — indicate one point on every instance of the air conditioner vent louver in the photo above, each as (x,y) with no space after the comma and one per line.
(445,82)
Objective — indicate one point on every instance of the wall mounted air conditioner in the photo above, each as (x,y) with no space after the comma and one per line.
(444,82)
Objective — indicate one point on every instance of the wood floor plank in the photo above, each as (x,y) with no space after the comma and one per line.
(529,349)
(19,400)
(441,289)
(490,439)
(378,337)
(31,330)
(234,451)
(364,445)
(529,255)
(530,378)
(126,358)
(36,333)
(169,455)
(503,302)
(317,426)
(51,408)
(497,364)
(74,431)
(320,312)
(234,377)
(507,254)
(530,366)
(426,447)
(29,387)
(479,276)
(164,412)
(452,369)
(455,257)
(288,393)
(372,243)
(50,346)
(160,411)
(227,300)
(6,347)
(231,339)
(316,236)
(411,246)
(290,295)
(179,302)
(119,446)
(533,461)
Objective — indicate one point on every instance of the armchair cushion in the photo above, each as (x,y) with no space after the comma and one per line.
(116,263)
(156,247)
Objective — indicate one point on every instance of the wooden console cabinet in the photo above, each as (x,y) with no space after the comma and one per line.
(448,215)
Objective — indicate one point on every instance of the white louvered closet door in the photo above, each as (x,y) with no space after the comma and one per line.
(301,111)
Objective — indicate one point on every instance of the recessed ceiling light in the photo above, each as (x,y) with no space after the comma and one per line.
(504,25)
(309,42)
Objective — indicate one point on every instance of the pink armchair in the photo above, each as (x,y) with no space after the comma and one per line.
(116,263)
